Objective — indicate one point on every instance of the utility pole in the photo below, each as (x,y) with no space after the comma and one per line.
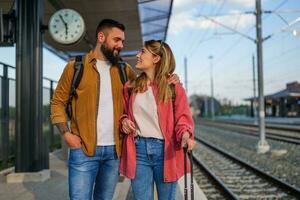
(212,107)
(206,106)
(262,146)
(254,92)
(185,75)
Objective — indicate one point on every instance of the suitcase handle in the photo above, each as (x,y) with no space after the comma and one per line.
(185,171)
(190,154)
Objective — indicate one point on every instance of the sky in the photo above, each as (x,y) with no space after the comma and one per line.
(196,38)
(192,36)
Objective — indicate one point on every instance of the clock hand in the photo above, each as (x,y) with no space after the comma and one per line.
(64,22)
(66,29)
(62,19)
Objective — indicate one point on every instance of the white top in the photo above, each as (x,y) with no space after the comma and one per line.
(105,118)
(145,115)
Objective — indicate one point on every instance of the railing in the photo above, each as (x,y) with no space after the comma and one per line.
(8,110)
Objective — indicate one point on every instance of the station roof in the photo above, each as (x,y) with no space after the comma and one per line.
(285,93)
(144,20)
(280,94)
(292,90)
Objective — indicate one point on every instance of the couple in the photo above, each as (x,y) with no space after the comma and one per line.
(136,130)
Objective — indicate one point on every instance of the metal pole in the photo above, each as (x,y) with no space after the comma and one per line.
(262,146)
(1,26)
(185,75)
(212,107)
(254,92)
(206,106)
(50,124)
(5,117)
(31,153)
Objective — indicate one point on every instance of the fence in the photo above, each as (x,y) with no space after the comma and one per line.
(8,111)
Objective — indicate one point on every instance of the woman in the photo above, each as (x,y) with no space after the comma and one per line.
(155,126)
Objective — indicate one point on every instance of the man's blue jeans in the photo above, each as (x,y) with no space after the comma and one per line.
(149,168)
(93,177)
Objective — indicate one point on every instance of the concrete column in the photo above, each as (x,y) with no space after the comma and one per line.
(31,150)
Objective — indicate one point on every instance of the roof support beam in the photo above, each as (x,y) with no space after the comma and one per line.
(155,18)
(170,13)
(154,32)
(157,25)
(146,1)
(156,10)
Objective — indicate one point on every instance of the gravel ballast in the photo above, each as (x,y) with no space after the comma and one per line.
(282,161)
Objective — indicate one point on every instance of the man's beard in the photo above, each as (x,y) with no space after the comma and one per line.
(109,54)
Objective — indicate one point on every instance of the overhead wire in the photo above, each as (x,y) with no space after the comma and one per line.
(276,57)
(205,33)
(227,51)
(193,31)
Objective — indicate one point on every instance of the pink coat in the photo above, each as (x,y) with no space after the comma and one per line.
(173,153)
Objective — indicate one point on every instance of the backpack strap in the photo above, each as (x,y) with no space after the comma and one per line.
(123,74)
(122,71)
(172,86)
(78,72)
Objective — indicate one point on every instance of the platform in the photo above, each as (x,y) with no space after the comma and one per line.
(57,186)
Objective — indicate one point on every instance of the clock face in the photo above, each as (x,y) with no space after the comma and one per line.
(66,26)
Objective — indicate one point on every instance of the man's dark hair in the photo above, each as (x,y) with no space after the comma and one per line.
(109,24)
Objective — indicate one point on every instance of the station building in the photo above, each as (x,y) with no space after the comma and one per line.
(284,103)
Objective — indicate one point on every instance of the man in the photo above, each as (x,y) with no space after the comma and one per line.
(94,139)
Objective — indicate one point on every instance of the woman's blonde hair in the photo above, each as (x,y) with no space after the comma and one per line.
(164,67)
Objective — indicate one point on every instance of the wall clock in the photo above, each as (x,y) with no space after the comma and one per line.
(66,26)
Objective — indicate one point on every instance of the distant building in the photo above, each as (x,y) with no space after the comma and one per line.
(285,103)
(201,105)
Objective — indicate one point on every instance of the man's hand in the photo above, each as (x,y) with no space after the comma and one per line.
(187,141)
(128,126)
(173,79)
(73,141)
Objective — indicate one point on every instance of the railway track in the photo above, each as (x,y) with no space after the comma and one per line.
(281,132)
(224,176)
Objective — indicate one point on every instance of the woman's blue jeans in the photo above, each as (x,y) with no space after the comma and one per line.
(149,169)
(93,177)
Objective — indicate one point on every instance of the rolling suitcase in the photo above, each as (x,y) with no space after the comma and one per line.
(190,154)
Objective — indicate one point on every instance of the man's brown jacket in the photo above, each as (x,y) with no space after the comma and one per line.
(85,106)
